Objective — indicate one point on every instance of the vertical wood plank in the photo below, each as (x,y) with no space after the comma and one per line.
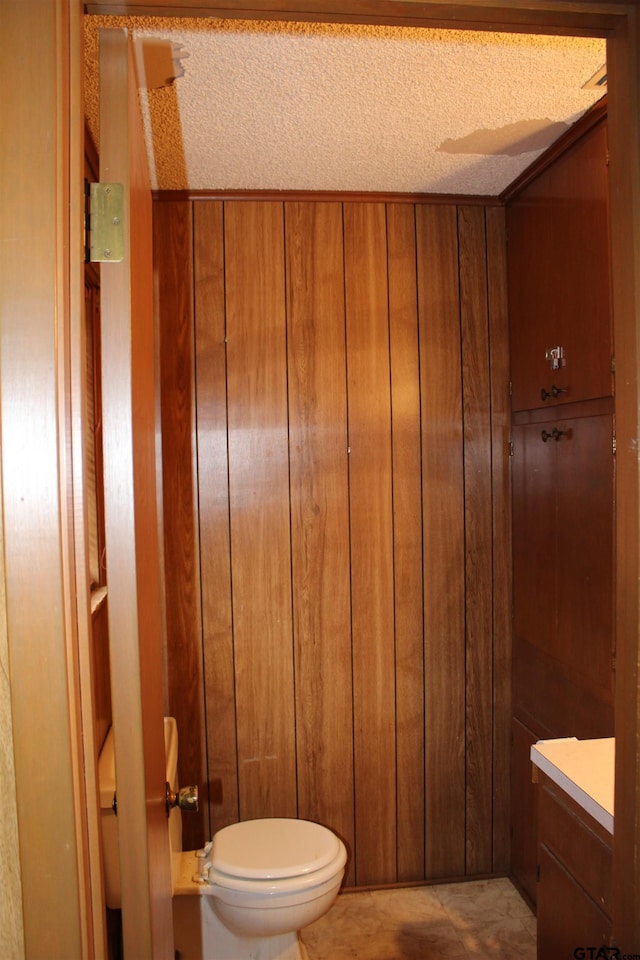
(320,514)
(259,502)
(11,910)
(443,515)
(407,538)
(173,260)
(623,67)
(213,495)
(478,538)
(371,541)
(501,507)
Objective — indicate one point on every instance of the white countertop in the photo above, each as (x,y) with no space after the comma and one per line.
(584,769)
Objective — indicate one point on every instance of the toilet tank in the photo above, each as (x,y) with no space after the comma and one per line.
(109,821)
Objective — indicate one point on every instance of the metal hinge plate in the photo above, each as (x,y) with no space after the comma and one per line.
(105,228)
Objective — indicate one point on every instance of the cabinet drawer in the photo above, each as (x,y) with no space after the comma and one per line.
(581,845)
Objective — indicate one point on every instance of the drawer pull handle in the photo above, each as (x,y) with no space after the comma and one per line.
(553,393)
(554,434)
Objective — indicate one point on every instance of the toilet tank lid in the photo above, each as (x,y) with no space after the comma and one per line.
(273,848)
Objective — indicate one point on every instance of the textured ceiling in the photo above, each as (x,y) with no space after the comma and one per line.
(337,107)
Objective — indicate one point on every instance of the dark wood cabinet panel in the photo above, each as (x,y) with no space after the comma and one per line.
(563,474)
(567,918)
(534,504)
(580,843)
(549,698)
(575,876)
(563,520)
(584,543)
(559,287)
(563,464)
(524,859)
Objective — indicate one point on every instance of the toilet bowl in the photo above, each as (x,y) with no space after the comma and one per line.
(253,887)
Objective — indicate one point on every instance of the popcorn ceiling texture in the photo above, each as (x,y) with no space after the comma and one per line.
(334,107)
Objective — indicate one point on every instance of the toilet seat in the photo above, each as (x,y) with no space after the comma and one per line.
(274,854)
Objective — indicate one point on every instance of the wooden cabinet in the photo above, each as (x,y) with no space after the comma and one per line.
(574,883)
(563,468)
(559,292)
(563,601)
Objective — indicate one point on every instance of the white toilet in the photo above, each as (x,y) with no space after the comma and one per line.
(253,887)
(248,893)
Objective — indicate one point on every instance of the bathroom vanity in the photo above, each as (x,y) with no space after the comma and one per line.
(575,833)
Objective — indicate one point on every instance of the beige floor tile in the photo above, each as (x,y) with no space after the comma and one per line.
(459,921)
(504,940)
(419,906)
(480,901)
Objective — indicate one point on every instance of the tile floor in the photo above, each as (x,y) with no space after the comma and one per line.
(452,921)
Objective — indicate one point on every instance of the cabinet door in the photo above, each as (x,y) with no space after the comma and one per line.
(558,279)
(584,545)
(534,536)
(567,917)
(563,542)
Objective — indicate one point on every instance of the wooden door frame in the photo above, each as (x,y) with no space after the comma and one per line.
(618,22)
(52,903)
(52,912)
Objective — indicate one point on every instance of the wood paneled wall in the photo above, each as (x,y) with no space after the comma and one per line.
(335,456)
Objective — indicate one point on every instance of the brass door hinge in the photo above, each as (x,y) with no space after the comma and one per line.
(104,232)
